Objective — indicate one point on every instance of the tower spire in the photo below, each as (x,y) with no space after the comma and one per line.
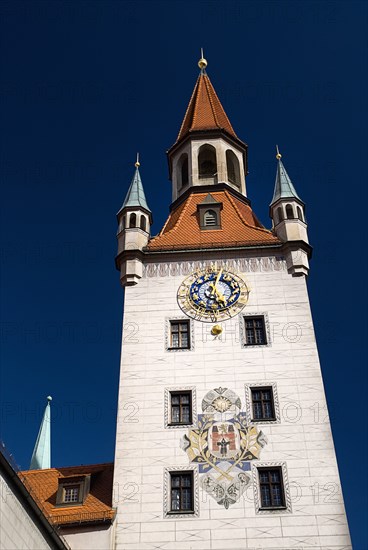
(41,457)
(205,111)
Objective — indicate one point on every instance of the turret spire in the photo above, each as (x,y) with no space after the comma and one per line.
(284,188)
(41,457)
(135,196)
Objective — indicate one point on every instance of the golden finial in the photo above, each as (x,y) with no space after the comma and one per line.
(137,163)
(278,155)
(216,330)
(202,63)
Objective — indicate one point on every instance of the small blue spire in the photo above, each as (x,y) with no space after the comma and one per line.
(135,196)
(284,189)
(41,457)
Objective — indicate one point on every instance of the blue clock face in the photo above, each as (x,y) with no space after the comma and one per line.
(212,295)
(214,291)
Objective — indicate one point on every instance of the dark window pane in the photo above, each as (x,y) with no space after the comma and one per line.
(275,476)
(262,400)
(181,492)
(254,331)
(265,495)
(257,407)
(185,415)
(175,416)
(271,488)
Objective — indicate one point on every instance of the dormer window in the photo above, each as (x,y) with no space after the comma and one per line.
(72,491)
(209,213)
(210,218)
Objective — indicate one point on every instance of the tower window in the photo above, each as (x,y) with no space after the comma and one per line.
(179,335)
(263,403)
(181,407)
(183,171)
(207,163)
(143,223)
(233,170)
(181,492)
(255,332)
(299,212)
(132,221)
(289,212)
(279,215)
(210,218)
(271,488)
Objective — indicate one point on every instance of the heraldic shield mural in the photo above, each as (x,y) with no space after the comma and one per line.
(223,445)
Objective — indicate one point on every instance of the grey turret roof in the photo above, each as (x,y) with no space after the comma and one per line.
(284,188)
(135,197)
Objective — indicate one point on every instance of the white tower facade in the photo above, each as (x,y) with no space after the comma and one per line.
(223,438)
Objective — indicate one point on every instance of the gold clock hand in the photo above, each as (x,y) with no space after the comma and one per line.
(218,278)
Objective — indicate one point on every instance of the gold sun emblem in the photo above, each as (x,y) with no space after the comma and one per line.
(221,404)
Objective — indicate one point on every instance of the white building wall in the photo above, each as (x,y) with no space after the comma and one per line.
(89,538)
(17,529)
(301,441)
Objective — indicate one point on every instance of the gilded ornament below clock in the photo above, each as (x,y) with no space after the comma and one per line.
(212,295)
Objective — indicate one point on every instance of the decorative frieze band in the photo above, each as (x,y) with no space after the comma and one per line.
(244,265)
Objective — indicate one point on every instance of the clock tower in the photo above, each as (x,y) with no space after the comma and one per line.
(223,438)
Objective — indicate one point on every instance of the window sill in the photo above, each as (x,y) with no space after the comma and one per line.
(180,512)
(180,424)
(271,508)
(273,419)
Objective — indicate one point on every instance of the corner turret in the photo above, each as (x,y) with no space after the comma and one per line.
(134,223)
(287,212)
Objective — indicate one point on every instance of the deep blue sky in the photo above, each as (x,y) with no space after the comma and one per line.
(87,84)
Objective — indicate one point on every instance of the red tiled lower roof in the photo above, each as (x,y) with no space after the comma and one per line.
(43,486)
(239,226)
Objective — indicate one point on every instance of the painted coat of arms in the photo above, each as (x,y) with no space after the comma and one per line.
(223,445)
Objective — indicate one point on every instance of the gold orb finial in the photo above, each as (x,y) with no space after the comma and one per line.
(202,63)
(137,163)
(278,154)
(216,330)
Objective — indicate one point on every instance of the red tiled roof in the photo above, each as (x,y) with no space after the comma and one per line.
(239,226)
(43,486)
(204,111)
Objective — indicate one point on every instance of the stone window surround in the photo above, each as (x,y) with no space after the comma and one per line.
(263,314)
(168,334)
(167,404)
(256,488)
(248,402)
(167,492)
